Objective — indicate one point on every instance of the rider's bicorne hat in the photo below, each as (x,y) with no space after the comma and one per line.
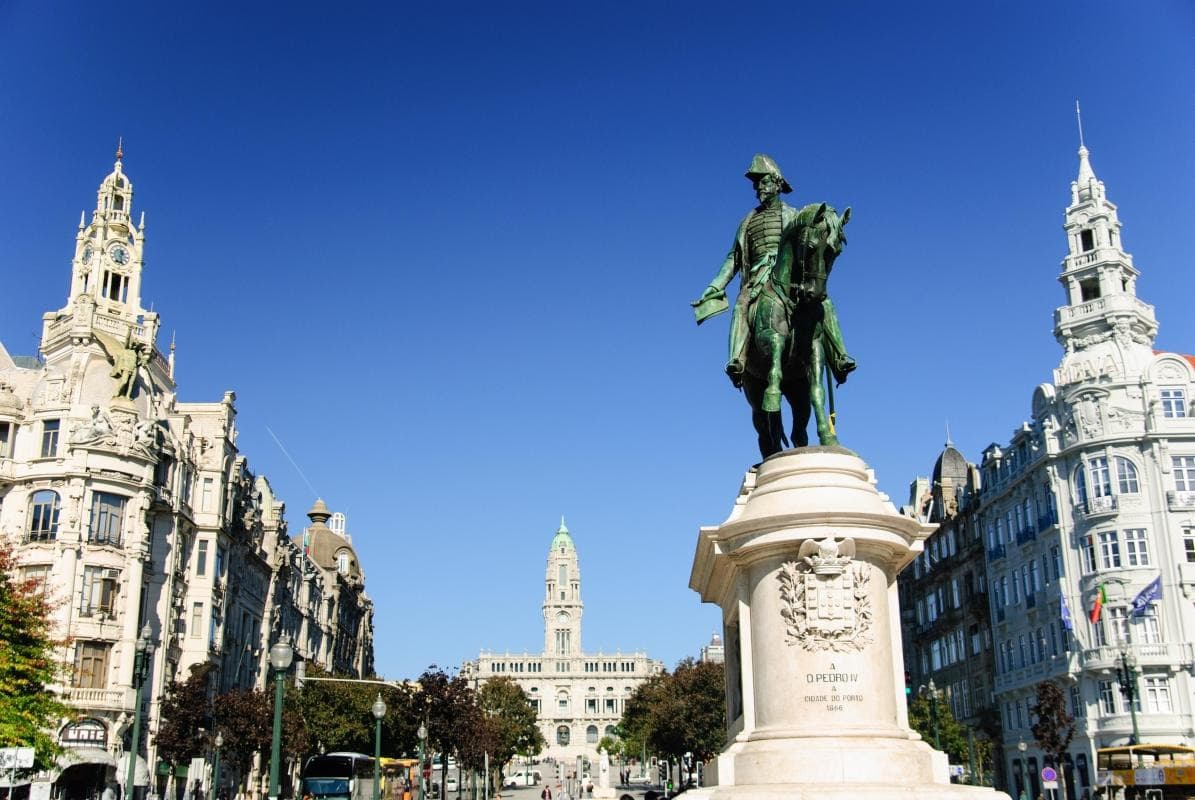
(764,165)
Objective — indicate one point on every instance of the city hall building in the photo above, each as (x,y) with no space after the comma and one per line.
(578,696)
(1078,533)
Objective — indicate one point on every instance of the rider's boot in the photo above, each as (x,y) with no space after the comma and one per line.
(734,371)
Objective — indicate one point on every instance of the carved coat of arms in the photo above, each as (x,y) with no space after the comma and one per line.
(824,597)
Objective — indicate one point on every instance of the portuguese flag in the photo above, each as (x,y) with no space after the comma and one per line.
(1098,606)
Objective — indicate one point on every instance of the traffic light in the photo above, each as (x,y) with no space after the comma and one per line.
(908,684)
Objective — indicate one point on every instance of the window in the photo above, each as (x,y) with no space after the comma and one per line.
(107,518)
(1149,629)
(115,286)
(1157,696)
(1055,563)
(562,735)
(1089,288)
(1189,544)
(91,665)
(1087,551)
(219,563)
(1174,403)
(201,558)
(1118,617)
(1109,550)
(43,516)
(49,437)
(1101,482)
(1126,476)
(99,592)
(610,705)
(196,619)
(1107,698)
(7,433)
(38,575)
(591,705)
(342,562)
(1136,548)
(1078,709)
(591,734)
(1184,473)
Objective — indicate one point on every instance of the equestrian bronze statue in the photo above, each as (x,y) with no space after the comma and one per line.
(784,333)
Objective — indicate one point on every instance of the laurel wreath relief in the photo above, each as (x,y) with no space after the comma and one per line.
(795,612)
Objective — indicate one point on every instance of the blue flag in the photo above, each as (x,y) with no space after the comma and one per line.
(1066,614)
(1151,592)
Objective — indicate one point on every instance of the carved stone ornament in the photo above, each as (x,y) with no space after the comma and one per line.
(824,597)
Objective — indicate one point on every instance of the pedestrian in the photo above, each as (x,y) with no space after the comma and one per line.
(109,792)
(546,794)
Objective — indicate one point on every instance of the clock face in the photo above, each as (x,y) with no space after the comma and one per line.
(120,255)
(562,617)
(87,254)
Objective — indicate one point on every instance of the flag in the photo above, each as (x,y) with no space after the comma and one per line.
(1098,606)
(1067,622)
(1151,592)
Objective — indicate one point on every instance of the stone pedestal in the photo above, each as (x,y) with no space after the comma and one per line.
(804,570)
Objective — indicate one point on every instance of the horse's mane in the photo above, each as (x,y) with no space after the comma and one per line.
(831,219)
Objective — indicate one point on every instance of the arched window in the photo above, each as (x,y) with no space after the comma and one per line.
(610,731)
(342,562)
(43,516)
(1080,486)
(562,735)
(591,735)
(1126,476)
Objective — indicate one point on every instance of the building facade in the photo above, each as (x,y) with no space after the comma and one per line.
(1094,497)
(141,519)
(578,696)
(945,618)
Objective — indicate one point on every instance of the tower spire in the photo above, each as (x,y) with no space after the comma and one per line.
(1079,118)
(119,148)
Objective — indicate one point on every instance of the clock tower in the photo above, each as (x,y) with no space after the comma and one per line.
(562,599)
(103,316)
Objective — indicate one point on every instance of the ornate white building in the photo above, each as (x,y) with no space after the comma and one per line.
(1095,493)
(136,511)
(578,696)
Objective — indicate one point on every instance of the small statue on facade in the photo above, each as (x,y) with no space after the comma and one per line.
(125,366)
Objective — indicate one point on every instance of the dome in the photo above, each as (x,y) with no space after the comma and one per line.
(562,540)
(950,466)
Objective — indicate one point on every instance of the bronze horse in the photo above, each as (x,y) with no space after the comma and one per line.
(794,337)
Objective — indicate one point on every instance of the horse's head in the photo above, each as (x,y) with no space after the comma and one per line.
(820,240)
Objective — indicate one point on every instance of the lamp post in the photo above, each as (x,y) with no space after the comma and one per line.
(141,668)
(932,692)
(379,711)
(216,767)
(1022,747)
(422,734)
(1126,675)
(281,654)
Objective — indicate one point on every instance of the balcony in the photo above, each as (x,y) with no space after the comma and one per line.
(1173,654)
(1026,535)
(100,699)
(1031,601)
(1046,521)
(1181,501)
(1098,506)
(996,552)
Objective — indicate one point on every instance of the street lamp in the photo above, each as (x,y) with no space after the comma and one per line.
(379,711)
(216,766)
(1126,675)
(141,668)
(932,692)
(1024,778)
(422,734)
(281,654)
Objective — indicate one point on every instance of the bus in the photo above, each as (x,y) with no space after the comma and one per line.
(338,776)
(1146,772)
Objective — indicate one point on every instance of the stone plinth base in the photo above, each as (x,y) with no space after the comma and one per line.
(804,569)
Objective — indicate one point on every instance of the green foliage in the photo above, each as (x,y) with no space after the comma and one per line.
(951,733)
(27,665)
(246,719)
(678,713)
(340,717)
(612,745)
(186,709)
(511,719)
(449,709)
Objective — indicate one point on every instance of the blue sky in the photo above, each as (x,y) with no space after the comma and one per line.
(446,253)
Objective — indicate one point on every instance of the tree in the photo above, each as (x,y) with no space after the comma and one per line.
(186,711)
(611,744)
(1054,728)
(511,718)
(681,713)
(246,719)
(951,733)
(447,706)
(28,710)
